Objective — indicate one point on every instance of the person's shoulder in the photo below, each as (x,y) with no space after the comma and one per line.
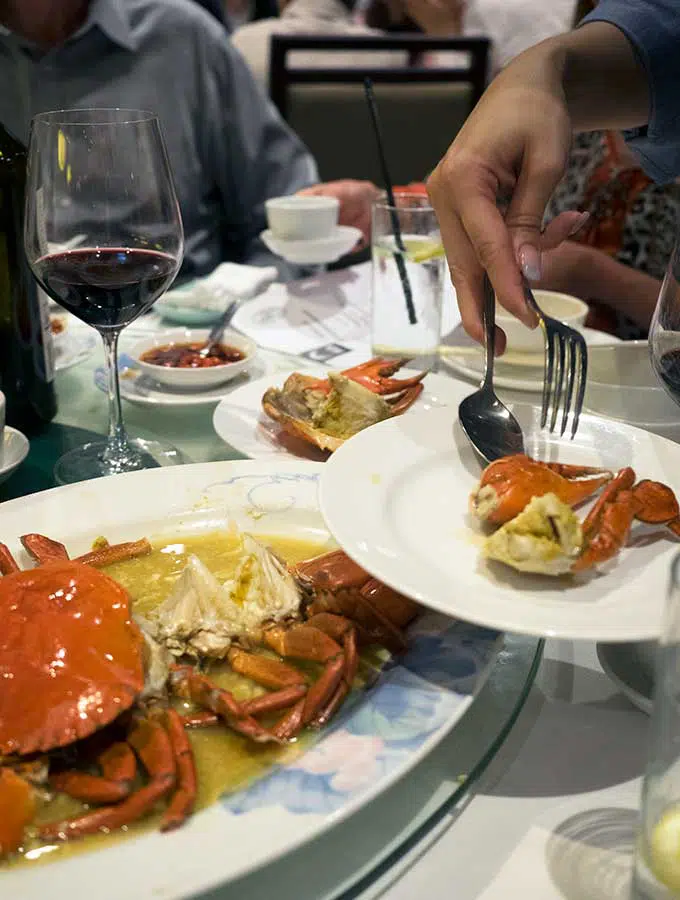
(177,17)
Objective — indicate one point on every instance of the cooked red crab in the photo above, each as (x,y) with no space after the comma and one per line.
(325,412)
(540,532)
(70,643)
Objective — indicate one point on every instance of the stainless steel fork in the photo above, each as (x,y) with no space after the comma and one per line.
(566,369)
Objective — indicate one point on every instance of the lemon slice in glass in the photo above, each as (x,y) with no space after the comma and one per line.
(664,850)
(426,251)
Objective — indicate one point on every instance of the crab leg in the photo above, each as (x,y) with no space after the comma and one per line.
(152,744)
(43,549)
(291,724)
(340,629)
(191,686)
(17,802)
(279,700)
(113,553)
(310,643)
(401,402)
(656,504)
(271,673)
(182,803)
(7,562)
(200,719)
(118,765)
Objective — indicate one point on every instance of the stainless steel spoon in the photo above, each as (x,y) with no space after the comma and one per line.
(218,329)
(489,425)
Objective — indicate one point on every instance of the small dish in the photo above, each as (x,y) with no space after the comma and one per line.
(517,371)
(189,305)
(563,307)
(622,386)
(318,251)
(15,447)
(193,379)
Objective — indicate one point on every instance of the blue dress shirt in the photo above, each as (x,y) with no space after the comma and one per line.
(228,147)
(653,28)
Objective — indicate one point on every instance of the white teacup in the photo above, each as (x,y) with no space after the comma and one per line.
(302,218)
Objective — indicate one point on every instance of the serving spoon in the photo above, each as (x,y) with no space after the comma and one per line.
(218,329)
(489,425)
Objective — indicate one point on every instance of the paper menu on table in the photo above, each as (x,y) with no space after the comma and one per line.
(321,319)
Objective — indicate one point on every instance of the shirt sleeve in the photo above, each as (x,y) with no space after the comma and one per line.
(653,28)
(254,154)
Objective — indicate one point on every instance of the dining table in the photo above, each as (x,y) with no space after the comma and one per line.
(534,793)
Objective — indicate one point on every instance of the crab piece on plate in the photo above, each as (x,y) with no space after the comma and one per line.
(326,412)
(545,538)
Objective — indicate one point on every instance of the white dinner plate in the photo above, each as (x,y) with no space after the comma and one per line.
(138,388)
(409,480)
(241,422)
(378,736)
(517,371)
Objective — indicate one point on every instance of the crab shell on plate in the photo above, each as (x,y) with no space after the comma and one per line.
(326,412)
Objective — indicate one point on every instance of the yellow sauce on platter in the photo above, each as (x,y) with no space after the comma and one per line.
(225,761)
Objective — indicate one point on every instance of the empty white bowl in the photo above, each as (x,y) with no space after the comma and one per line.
(193,379)
(563,307)
(622,385)
(301,218)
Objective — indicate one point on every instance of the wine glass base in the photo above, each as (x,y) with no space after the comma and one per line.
(89,461)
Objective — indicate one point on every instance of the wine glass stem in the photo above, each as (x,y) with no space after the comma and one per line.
(118,445)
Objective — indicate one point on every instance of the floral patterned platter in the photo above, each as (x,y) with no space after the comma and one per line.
(380,734)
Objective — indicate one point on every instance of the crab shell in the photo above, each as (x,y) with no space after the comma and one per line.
(71,658)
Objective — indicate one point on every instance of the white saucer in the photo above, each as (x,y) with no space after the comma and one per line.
(315,252)
(15,447)
(517,371)
(136,387)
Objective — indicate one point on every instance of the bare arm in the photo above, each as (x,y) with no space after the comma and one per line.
(593,275)
(516,143)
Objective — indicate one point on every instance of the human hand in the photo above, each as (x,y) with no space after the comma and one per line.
(356,201)
(437,17)
(515,143)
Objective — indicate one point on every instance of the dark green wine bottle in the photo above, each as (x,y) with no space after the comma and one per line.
(26,351)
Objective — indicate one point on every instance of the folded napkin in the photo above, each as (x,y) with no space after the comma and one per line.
(227,280)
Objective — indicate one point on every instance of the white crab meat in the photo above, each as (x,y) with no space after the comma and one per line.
(545,538)
(202,617)
(348,408)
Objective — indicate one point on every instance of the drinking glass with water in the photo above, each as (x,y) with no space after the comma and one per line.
(412,253)
(657,861)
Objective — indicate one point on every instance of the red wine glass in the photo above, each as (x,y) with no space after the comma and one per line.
(664,334)
(103,236)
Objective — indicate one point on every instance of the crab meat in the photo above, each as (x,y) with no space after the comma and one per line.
(202,617)
(546,538)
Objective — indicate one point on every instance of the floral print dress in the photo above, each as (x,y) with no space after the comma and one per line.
(632,219)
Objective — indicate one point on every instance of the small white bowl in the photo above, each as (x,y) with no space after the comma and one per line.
(563,307)
(193,379)
(13,451)
(622,385)
(300,218)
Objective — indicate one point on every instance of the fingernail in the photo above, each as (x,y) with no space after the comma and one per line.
(530,262)
(579,223)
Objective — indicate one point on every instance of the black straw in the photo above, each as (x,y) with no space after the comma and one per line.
(398,257)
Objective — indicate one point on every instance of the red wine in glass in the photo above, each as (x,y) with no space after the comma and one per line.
(106,287)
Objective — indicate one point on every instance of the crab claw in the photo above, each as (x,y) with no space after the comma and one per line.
(508,484)
(375,375)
